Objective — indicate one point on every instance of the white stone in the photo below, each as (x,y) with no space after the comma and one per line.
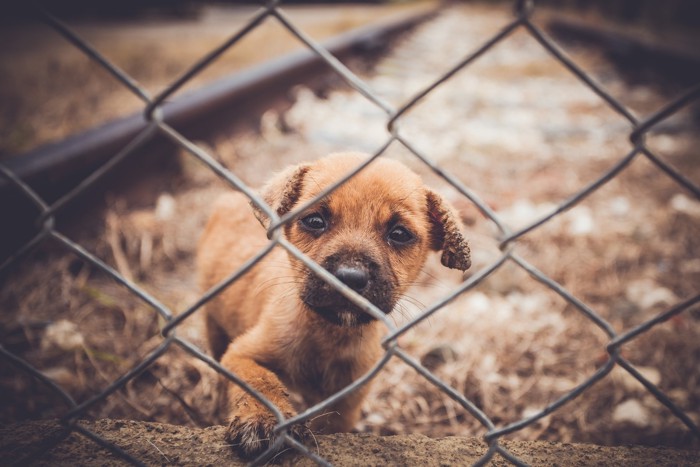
(165,207)
(64,335)
(646,293)
(681,203)
(581,221)
(632,412)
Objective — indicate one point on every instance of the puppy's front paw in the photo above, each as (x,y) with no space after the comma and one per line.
(250,436)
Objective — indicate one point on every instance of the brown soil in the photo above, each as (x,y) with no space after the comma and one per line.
(160,444)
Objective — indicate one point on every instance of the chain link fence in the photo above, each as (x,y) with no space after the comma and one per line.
(507,238)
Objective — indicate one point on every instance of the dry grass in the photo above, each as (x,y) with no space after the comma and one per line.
(511,346)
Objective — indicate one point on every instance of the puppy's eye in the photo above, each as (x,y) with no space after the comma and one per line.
(400,235)
(314,223)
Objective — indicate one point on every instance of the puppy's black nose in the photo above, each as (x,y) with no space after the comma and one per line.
(353,276)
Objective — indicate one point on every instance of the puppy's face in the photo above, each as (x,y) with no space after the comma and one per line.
(373,233)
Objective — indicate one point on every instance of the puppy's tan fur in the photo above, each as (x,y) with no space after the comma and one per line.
(281,328)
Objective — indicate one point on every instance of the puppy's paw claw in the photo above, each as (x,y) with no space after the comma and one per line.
(250,437)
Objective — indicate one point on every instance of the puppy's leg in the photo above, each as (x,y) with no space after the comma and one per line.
(216,336)
(251,424)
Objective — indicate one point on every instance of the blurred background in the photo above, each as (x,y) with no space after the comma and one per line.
(155,40)
(515,127)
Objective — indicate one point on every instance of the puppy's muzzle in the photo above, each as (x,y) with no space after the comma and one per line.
(359,272)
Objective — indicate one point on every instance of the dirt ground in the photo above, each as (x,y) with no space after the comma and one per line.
(518,130)
(160,444)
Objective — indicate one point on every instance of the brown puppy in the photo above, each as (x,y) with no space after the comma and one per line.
(280,327)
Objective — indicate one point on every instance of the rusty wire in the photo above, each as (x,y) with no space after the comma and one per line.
(152,114)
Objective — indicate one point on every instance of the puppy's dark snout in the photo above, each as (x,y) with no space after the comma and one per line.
(354,276)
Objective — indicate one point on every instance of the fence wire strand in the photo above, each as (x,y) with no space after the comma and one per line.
(392,350)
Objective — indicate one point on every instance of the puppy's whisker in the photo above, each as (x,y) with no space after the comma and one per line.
(400,313)
(289,292)
(428,279)
(277,281)
(415,302)
(280,281)
(394,318)
(279,288)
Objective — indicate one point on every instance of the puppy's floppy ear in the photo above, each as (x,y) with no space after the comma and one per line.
(282,192)
(445,233)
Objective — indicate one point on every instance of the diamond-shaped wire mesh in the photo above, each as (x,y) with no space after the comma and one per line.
(507,238)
